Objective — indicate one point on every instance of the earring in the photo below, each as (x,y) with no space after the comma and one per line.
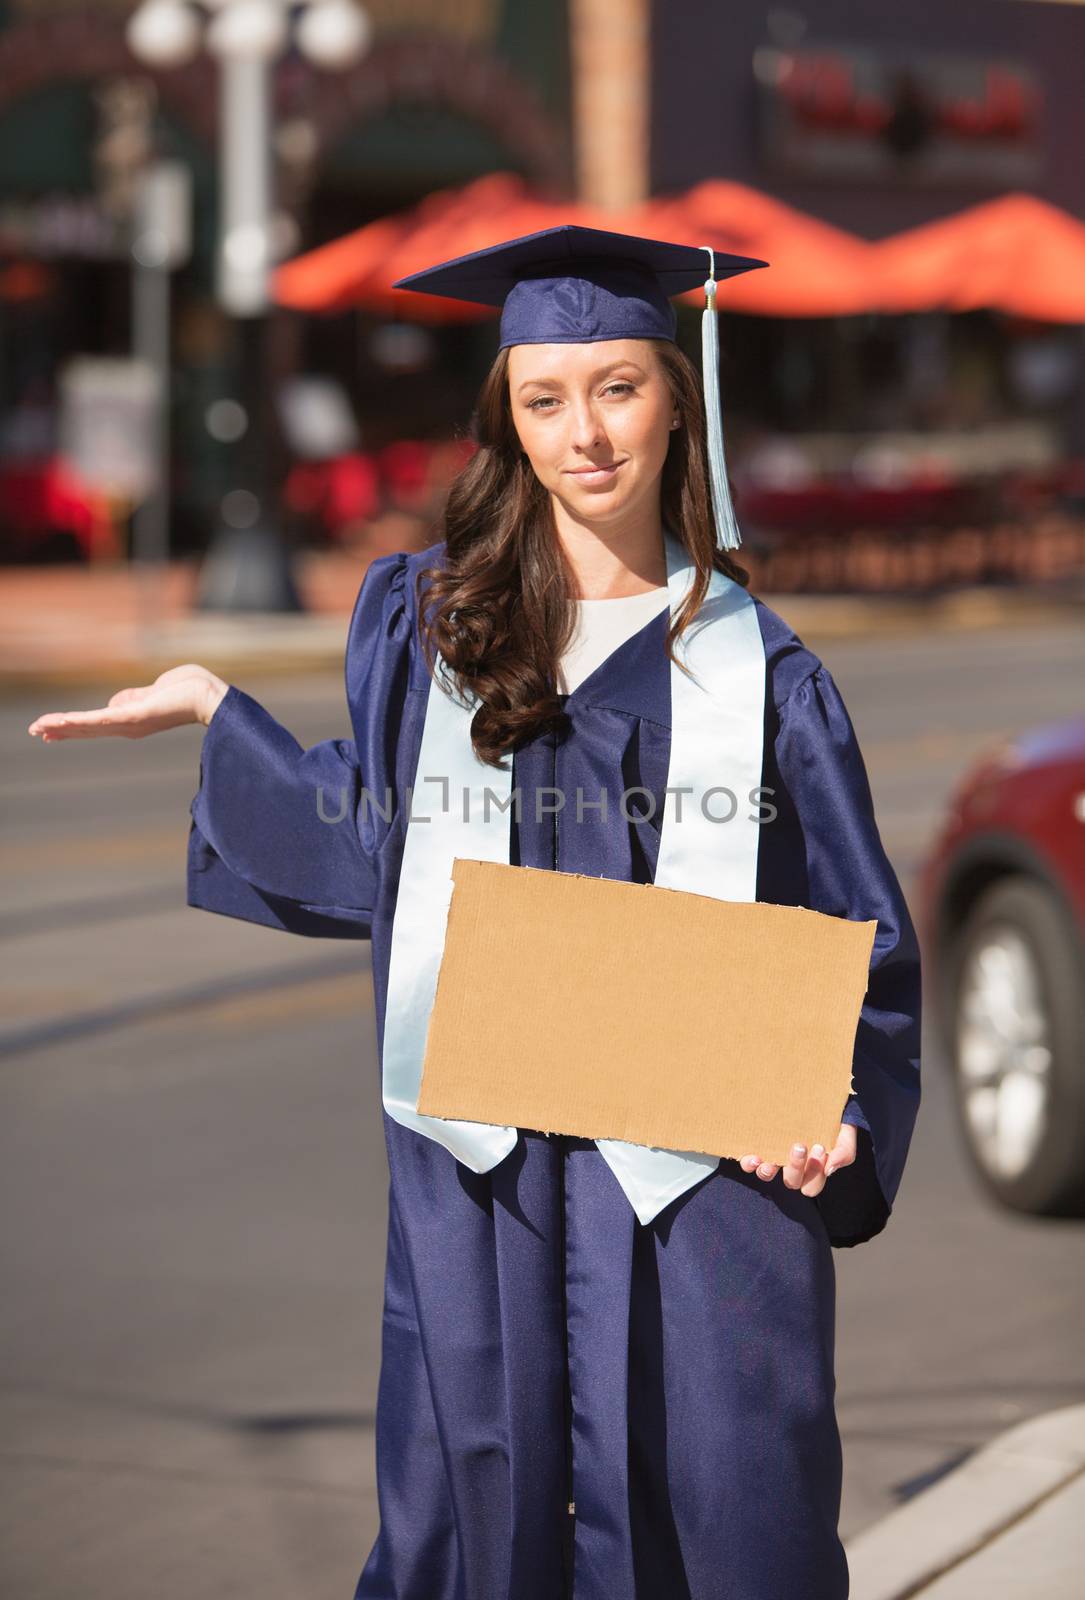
(676,423)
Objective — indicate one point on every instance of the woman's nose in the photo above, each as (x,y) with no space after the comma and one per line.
(587,429)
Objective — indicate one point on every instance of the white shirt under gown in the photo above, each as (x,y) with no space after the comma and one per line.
(603,625)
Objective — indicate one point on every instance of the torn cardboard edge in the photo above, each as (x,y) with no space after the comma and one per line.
(612,1010)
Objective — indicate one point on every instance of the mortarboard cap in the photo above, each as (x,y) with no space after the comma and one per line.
(575,285)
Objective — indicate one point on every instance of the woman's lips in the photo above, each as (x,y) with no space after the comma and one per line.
(595,474)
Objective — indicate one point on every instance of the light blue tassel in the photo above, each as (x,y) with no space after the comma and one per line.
(727,534)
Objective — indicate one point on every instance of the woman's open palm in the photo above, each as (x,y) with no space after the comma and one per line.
(189,693)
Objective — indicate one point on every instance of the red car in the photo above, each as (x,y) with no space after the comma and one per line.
(1002,921)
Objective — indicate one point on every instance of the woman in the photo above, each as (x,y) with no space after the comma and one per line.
(579,1395)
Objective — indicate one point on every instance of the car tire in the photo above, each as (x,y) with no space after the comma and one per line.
(1015,982)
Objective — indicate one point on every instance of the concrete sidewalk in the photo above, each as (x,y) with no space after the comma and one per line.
(1007,1525)
(73,625)
(121,624)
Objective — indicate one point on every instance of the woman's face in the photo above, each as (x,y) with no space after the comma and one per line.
(595,421)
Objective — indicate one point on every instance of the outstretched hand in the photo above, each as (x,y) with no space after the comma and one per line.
(189,693)
(808,1172)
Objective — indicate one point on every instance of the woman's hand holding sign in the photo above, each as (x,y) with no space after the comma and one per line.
(808,1172)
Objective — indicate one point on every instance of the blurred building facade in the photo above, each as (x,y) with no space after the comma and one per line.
(873,119)
(445,94)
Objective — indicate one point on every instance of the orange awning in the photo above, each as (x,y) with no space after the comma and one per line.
(1016,254)
(328,278)
(360,269)
(815,270)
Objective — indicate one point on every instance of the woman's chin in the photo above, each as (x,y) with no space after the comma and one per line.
(601,498)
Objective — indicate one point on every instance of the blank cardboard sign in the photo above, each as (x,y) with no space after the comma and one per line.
(613,1010)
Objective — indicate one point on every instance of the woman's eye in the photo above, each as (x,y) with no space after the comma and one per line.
(545,402)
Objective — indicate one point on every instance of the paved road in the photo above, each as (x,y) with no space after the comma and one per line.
(193,1193)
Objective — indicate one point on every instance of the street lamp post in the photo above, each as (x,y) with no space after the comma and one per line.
(248,566)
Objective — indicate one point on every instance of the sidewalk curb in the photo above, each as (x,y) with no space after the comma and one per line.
(274,644)
(941,1528)
(255,644)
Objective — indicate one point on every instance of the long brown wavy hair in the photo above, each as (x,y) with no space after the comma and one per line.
(497,609)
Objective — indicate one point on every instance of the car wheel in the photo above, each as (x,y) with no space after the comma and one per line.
(1016,981)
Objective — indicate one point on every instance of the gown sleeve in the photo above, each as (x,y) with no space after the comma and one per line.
(278,832)
(849,875)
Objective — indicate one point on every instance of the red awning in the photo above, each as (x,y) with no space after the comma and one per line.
(815,270)
(1016,254)
(359,270)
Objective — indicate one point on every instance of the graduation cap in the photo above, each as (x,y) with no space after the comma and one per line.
(575,285)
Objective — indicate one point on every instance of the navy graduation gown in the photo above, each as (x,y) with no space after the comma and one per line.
(540,1347)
